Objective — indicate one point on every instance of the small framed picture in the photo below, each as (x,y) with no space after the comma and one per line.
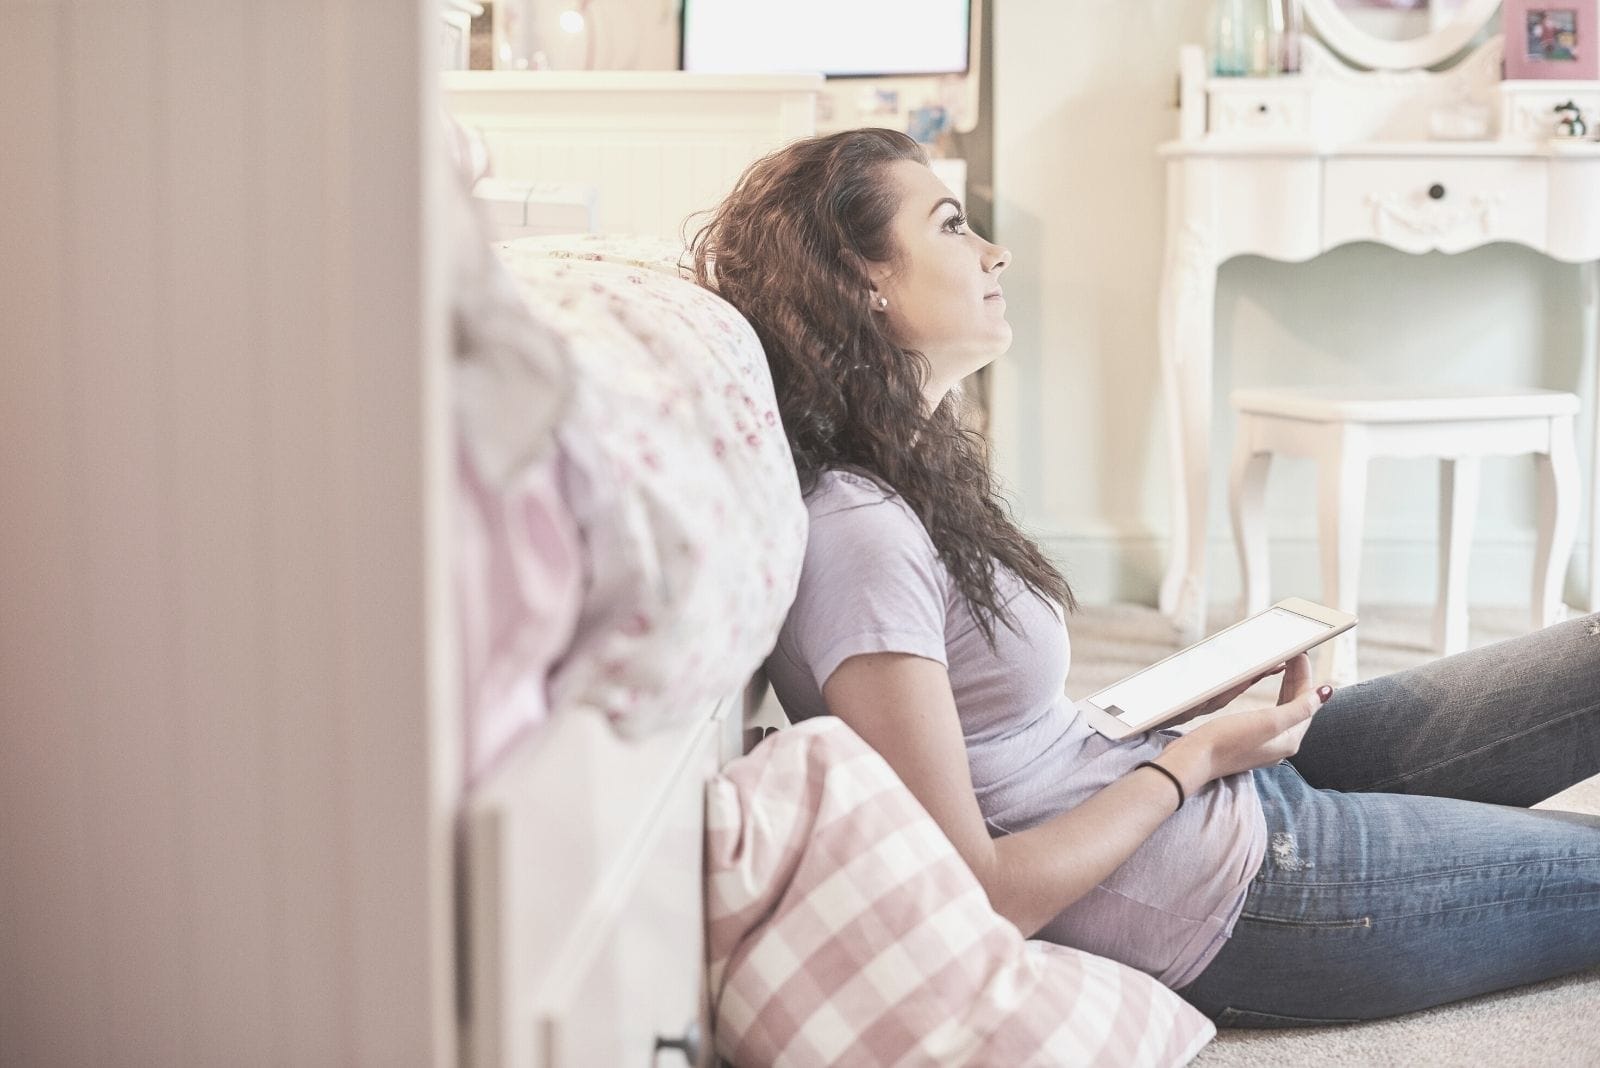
(1551,39)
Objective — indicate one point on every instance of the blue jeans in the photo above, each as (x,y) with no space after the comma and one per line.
(1403,868)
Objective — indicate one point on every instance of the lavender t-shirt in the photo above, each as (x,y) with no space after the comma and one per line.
(872,582)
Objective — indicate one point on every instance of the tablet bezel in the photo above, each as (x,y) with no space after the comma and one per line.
(1107,722)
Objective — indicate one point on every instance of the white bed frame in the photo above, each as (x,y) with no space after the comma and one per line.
(584,898)
(230,779)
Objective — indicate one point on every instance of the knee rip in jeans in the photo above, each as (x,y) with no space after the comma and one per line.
(1285,852)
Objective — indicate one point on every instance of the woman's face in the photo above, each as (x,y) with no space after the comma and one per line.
(943,286)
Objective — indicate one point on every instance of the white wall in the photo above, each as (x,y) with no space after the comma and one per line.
(1084,92)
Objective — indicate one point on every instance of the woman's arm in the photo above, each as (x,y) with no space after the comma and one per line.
(903,707)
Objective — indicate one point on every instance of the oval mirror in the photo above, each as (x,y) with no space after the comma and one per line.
(1398,34)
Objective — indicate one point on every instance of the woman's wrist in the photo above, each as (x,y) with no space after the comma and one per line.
(1182,794)
(1189,758)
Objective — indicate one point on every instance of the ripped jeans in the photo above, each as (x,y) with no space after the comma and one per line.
(1403,867)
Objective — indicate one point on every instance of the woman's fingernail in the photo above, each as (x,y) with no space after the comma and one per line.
(1324,692)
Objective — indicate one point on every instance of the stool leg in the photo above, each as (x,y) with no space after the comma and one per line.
(1558,521)
(1458,508)
(1247,483)
(1341,507)
(1589,300)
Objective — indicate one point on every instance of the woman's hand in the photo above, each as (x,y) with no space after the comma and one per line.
(1252,739)
(1221,701)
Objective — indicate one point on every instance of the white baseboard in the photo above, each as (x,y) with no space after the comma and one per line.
(1105,568)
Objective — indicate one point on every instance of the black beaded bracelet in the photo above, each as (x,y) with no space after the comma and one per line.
(1176,785)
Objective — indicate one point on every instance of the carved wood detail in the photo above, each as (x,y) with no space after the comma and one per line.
(1431,219)
(1193,270)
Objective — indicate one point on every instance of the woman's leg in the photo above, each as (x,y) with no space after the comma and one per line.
(1371,905)
(1509,724)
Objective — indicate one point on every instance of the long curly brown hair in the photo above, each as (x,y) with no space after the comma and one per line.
(789,248)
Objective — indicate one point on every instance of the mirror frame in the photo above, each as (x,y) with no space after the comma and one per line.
(1343,36)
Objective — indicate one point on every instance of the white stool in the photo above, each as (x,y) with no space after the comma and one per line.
(1341,430)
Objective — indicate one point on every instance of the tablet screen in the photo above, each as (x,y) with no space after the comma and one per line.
(1179,680)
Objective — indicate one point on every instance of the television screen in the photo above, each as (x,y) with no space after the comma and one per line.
(834,37)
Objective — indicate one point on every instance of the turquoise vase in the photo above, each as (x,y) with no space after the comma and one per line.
(1230,37)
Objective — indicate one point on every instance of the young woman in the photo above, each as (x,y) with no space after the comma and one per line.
(1336,857)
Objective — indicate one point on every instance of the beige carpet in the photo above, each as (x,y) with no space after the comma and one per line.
(1551,1024)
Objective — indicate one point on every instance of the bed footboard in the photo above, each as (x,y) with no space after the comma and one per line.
(583,905)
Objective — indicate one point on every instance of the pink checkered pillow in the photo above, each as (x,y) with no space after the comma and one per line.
(844,929)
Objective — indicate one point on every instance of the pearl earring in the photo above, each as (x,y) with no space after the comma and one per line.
(883,303)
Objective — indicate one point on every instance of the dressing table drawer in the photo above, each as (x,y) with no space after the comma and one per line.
(1440,204)
(1258,109)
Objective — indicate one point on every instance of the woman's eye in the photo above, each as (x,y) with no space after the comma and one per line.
(956,224)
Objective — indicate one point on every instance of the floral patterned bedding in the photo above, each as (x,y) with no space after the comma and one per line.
(670,475)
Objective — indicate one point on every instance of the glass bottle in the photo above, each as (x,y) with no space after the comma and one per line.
(1265,35)
(1289,43)
(1230,37)
(516,35)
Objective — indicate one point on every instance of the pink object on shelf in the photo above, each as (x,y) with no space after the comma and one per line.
(1551,39)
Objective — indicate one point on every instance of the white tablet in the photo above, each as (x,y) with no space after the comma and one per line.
(1227,659)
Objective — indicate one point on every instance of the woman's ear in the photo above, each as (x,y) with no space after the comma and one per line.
(879,295)
(877,274)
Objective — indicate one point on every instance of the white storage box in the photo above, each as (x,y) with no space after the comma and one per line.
(1528,108)
(535,209)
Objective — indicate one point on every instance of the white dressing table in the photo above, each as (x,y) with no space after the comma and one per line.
(1293,166)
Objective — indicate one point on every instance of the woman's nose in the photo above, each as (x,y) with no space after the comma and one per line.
(999,259)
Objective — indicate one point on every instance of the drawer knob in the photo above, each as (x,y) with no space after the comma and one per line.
(1262,108)
(1436,191)
(688,1045)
